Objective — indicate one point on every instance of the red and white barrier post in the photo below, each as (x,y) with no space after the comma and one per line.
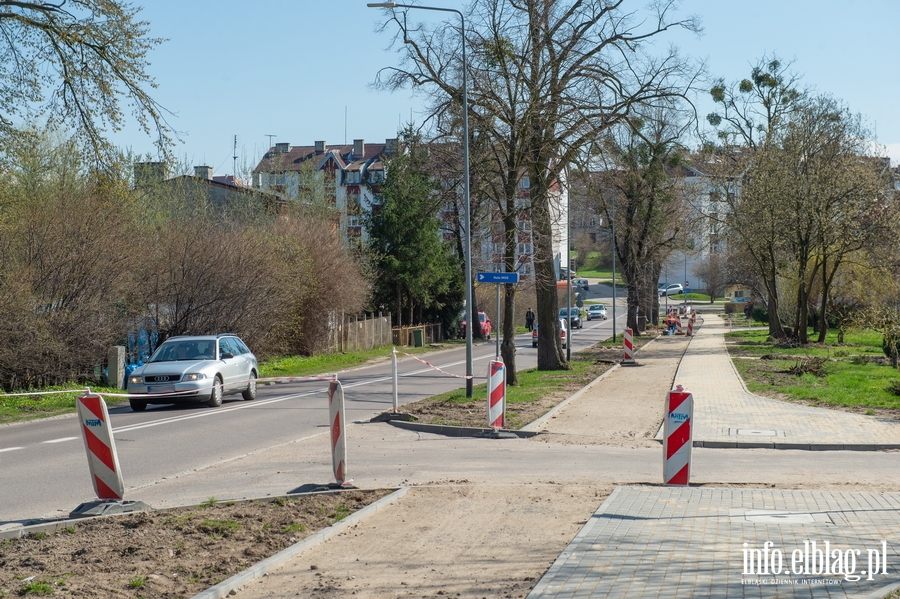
(394,377)
(678,325)
(338,438)
(496,407)
(103,461)
(690,328)
(628,340)
(677,441)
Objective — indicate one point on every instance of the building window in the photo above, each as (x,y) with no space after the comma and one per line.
(524,183)
(353,178)
(525,248)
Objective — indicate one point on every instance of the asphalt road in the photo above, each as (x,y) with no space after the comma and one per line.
(43,466)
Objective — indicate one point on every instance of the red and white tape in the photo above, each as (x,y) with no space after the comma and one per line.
(433,367)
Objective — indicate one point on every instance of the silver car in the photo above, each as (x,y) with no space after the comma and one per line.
(596,311)
(197,368)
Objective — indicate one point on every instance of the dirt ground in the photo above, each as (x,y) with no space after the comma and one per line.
(455,539)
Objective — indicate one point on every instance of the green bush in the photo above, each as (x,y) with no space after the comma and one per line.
(890,344)
(760,314)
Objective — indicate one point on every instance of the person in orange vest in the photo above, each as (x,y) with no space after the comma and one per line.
(671,323)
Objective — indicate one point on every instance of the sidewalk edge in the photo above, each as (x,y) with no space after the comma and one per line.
(222,589)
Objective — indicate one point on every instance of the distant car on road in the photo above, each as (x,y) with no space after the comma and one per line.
(596,311)
(485,325)
(200,368)
(574,315)
(582,284)
(563,334)
(673,289)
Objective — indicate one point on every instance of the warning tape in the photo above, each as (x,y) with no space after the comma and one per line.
(430,365)
(275,379)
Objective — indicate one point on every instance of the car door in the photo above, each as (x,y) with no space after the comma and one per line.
(232,370)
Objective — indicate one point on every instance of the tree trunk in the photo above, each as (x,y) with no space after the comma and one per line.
(508,345)
(550,355)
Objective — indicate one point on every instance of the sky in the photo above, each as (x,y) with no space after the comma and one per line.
(298,71)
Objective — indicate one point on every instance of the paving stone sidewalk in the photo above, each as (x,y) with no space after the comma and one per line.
(706,542)
(727,415)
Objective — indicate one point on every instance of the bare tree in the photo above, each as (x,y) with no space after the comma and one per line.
(70,64)
(712,270)
(553,75)
(646,198)
(823,197)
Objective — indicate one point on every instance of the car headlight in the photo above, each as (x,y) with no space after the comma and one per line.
(196,376)
(135,380)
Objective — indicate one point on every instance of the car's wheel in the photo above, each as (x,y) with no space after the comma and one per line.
(250,392)
(137,405)
(215,395)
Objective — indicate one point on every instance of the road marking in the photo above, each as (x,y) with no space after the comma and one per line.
(10,449)
(60,440)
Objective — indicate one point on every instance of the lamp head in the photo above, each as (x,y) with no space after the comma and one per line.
(382,5)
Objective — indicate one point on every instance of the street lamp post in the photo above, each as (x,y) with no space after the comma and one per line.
(613,223)
(569,271)
(466,197)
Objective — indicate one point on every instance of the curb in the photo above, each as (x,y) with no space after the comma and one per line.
(526,432)
(799,446)
(462,431)
(224,588)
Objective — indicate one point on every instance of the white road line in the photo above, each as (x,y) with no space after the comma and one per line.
(10,449)
(60,440)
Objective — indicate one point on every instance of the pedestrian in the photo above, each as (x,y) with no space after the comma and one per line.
(529,319)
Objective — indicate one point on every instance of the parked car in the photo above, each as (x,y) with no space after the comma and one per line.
(673,289)
(485,325)
(596,311)
(563,334)
(581,284)
(573,314)
(565,273)
(200,368)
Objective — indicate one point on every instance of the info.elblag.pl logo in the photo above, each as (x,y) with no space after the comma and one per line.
(815,559)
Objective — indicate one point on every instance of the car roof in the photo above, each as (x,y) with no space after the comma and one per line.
(199,337)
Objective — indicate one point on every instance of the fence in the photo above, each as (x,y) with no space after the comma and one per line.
(355,334)
(422,334)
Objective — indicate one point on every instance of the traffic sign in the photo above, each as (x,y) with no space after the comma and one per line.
(498,277)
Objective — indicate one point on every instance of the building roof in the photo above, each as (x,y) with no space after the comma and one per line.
(280,161)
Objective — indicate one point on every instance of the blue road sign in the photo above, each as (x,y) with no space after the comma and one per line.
(498,277)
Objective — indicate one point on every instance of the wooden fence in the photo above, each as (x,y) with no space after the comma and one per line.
(422,334)
(354,334)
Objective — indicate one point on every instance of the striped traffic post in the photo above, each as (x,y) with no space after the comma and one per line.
(690,328)
(396,403)
(680,330)
(629,347)
(103,461)
(677,441)
(338,438)
(496,408)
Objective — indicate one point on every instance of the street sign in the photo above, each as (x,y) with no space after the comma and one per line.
(498,277)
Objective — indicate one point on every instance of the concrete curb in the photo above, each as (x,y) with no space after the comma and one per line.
(461,431)
(225,587)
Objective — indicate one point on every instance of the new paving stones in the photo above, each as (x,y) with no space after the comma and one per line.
(706,542)
(727,415)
